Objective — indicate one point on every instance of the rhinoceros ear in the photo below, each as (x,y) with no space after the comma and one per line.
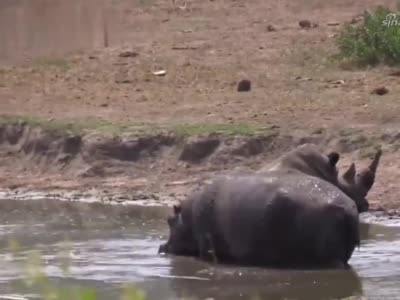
(177,209)
(350,174)
(333,158)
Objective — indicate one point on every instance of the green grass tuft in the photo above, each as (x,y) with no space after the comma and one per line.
(374,41)
(225,129)
(116,129)
(54,64)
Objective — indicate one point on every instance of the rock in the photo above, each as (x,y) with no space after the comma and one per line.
(305,24)
(125,54)
(244,86)
(123,81)
(160,72)
(271,28)
(380,91)
(337,82)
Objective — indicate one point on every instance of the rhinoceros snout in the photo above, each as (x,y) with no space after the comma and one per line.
(163,248)
(364,207)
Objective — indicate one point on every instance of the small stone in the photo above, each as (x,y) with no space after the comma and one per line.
(337,82)
(333,24)
(104,105)
(160,72)
(380,91)
(271,28)
(128,54)
(124,81)
(244,86)
(305,24)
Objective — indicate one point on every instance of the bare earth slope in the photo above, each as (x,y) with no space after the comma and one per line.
(298,94)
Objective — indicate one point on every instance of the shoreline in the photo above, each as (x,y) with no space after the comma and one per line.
(161,168)
(95,203)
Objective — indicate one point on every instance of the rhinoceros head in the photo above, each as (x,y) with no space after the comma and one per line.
(309,159)
(180,241)
(357,185)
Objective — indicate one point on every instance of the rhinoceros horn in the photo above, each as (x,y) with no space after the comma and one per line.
(375,162)
(367,175)
(350,174)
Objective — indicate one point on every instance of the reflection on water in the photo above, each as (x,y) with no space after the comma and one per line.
(104,257)
(49,27)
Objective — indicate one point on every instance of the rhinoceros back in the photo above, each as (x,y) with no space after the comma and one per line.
(307,159)
(270,218)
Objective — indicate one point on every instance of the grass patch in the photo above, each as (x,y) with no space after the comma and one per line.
(51,64)
(57,127)
(225,129)
(376,40)
(117,129)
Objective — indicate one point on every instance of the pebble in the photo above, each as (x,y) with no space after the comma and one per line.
(244,86)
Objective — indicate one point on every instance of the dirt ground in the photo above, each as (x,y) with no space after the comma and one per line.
(205,48)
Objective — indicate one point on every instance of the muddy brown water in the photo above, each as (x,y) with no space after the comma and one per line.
(107,248)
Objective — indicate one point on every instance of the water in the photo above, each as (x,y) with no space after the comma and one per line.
(107,250)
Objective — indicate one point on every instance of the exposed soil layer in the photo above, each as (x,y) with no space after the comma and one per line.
(167,166)
(183,63)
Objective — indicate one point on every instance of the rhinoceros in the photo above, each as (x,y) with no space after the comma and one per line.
(293,214)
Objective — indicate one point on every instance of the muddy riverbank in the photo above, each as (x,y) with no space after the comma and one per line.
(63,162)
(148,107)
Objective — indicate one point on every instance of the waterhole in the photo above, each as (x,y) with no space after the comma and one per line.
(111,246)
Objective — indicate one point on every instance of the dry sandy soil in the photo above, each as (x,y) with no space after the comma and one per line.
(206,47)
